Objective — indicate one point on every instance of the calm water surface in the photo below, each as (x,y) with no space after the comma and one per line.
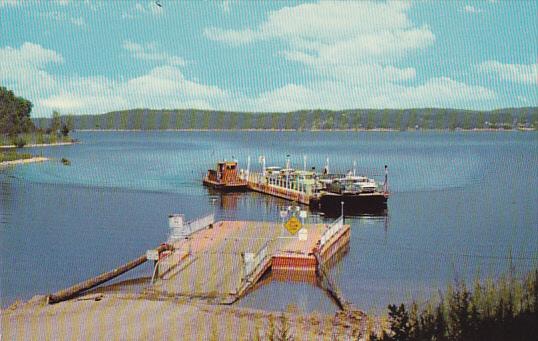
(462,203)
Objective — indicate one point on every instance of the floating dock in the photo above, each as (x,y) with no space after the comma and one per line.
(219,264)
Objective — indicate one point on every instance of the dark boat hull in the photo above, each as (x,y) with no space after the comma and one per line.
(355,203)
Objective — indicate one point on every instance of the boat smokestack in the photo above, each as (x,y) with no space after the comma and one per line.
(386,184)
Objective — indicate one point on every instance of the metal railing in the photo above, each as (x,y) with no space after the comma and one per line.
(331,231)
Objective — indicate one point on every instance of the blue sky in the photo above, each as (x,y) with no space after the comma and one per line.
(86,57)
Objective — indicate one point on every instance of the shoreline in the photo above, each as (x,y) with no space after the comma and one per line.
(36,145)
(312,130)
(34,159)
(178,318)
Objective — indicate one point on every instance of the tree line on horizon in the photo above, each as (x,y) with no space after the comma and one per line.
(357,119)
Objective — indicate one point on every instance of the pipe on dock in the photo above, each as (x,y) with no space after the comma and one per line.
(76,289)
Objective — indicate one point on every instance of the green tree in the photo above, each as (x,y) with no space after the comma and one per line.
(192,119)
(452,120)
(234,120)
(110,121)
(124,120)
(138,118)
(343,121)
(274,121)
(165,120)
(70,122)
(371,120)
(316,120)
(439,121)
(329,123)
(247,123)
(208,117)
(412,120)
(260,120)
(467,120)
(480,120)
(220,120)
(151,120)
(83,122)
(385,119)
(398,122)
(14,113)
(56,122)
(357,118)
(179,120)
(289,121)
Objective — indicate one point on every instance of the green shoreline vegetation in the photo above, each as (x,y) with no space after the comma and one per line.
(307,120)
(506,309)
(18,130)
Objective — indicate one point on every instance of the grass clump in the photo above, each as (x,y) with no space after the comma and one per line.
(502,310)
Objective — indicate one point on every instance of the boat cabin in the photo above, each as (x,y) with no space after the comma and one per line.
(226,172)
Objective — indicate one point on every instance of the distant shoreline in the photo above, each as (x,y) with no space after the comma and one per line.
(312,130)
(23,161)
(34,145)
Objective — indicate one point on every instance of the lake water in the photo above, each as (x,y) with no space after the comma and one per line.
(462,204)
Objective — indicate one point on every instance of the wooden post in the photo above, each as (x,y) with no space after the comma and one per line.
(65,294)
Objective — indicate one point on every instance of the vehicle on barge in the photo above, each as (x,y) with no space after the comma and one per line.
(325,191)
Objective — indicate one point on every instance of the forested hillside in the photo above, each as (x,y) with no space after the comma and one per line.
(405,119)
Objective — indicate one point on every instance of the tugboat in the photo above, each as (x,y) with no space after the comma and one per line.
(225,178)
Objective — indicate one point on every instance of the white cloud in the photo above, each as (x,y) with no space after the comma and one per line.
(25,70)
(517,73)
(436,92)
(225,6)
(370,28)
(63,17)
(11,3)
(351,41)
(150,52)
(25,65)
(472,9)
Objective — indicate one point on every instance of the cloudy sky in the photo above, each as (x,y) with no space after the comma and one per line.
(93,57)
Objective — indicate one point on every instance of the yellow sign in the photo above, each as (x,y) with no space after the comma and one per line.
(293,225)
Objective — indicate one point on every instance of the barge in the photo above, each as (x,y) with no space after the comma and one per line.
(321,191)
(225,177)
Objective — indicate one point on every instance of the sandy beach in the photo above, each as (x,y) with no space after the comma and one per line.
(133,317)
(23,161)
(34,145)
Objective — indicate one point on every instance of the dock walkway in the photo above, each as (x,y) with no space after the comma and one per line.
(220,264)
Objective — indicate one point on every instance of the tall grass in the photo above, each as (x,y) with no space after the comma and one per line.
(503,310)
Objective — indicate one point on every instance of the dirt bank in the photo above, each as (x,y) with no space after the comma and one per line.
(134,317)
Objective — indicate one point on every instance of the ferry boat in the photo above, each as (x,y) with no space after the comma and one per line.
(225,177)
